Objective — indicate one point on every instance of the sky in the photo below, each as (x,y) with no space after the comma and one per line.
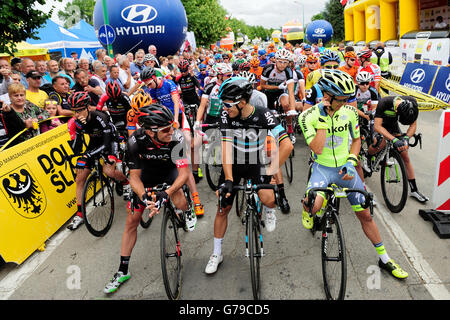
(267,13)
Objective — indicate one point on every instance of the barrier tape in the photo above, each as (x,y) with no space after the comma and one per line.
(425,101)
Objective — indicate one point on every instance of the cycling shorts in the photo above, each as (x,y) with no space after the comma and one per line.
(322,176)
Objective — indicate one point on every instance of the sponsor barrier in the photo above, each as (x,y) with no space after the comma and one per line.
(440,215)
(37,193)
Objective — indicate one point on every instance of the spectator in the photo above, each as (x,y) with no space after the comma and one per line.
(10,125)
(5,73)
(51,106)
(130,57)
(125,74)
(14,78)
(170,63)
(53,71)
(61,86)
(84,64)
(16,64)
(33,93)
(69,68)
(440,24)
(74,56)
(27,66)
(83,83)
(114,76)
(100,74)
(152,51)
(138,65)
(100,54)
(109,61)
(29,113)
(164,65)
(41,67)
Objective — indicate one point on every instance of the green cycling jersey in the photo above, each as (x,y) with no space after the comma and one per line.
(342,126)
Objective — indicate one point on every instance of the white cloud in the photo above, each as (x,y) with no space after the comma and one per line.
(48,6)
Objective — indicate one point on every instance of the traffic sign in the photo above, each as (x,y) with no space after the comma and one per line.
(106,34)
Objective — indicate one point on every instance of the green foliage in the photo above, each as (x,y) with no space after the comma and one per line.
(77,10)
(318,16)
(19,21)
(334,14)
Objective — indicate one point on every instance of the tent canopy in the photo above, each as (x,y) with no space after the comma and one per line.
(24,49)
(56,38)
(84,30)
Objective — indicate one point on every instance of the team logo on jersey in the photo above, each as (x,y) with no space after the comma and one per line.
(26,196)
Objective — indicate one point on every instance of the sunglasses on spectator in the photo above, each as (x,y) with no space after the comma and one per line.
(364,83)
(36,77)
(335,66)
(229,105)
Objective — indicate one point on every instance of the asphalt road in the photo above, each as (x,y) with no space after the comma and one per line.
(77,265)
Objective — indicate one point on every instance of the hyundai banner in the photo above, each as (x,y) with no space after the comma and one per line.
(419,76)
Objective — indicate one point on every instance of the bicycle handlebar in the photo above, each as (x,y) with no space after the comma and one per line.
(252,188)
(341,193)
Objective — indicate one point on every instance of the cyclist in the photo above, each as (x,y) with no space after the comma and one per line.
(276,79)
(244,130)
(151,150)
(201,75)
(299,84)
(366,65)
(140,99)
(390,111)
(98,126)
(350,61)
(166,93)
(188,84)
(256,70)
(311,64)
(263,60)
(326,127)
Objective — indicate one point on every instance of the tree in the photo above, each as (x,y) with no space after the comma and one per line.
(318,16)
(206,18)
(19,21)
(334,14)
(77,10)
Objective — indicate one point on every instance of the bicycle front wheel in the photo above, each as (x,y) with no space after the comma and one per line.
(213,166)
(98,204)
(394,182)
(170,256)
(289,168)
(334,259)
(255,254)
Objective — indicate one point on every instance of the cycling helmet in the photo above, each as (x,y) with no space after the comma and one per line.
(245,66)
(363,76)
(366,54)
(251,77)
(301,60)
(254,62)
(337,83)
(225,55)
(140,100)
(283,54)
(218,57)
(235,66)
(223,68)
(183,66)
(306,46)
(312,58)
(271,55)
(149,57)
(155,116)
(329,56)
(202,66)
(113,90)
(147,73)
(407,111)
(262,52)
(235,89)
(79,100)
(350,54)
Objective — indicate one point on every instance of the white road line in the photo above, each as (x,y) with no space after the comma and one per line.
(431,280)
(17,277)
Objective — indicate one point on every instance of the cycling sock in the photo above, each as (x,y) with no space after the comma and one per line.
(218,246)
(124,261)
(79,213)
(412,185)
(382,252)
(196,198)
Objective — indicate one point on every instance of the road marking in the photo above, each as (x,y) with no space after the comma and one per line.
(431,280)
(15,278)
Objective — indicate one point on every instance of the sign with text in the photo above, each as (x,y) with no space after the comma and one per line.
(418,76)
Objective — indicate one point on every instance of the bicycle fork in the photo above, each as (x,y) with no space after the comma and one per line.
(247,254)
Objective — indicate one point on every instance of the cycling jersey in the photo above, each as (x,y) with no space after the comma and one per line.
(248,135)
(312,78)
(211,93)
(201,78)
(117,109)
(385,110)
(368,97)
(188,84)
(164,93)
(273,77)
(155,159)
(297,75)
(374,70)
(132,120)
(353,71)
(343,122)
(257,72)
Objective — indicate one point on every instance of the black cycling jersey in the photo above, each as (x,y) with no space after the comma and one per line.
(248,136)
(117,109)
(385,110)
(153,159)
(188,84)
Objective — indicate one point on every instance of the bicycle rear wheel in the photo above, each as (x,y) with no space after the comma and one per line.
(289,168)
(255,254)
(394,182)
(98,204)
(334,259)
(170,255)
(213,166)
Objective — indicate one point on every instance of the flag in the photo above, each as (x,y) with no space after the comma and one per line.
(343,2)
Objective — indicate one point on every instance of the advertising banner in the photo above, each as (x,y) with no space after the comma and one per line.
(419,76)
(441,86)
(37,193)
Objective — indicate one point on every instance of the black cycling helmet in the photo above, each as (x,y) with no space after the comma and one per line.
(245,66)
(113,90)
(155,116)
(183,66)
(235,89)
(147,73)
(79,100)
(407,111)
(235,66)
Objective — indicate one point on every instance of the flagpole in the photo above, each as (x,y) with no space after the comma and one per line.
(106,22)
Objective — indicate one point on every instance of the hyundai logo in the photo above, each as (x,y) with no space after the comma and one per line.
(417,75)
(319,30)
(139,13)
(447,84)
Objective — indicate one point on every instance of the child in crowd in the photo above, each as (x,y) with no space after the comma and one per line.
(51,106)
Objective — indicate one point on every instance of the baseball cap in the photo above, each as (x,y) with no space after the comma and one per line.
(32,74)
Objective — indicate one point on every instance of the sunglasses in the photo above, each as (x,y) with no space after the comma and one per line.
(229,105)
(344,100)
(335,66)
(36,78)
(307,50)
(364,83)
(166,129)
(352,59)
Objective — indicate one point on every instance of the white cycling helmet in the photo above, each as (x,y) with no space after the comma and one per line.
(301,60)
(363,76)
(223,68)
(251,77)
(283,54)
